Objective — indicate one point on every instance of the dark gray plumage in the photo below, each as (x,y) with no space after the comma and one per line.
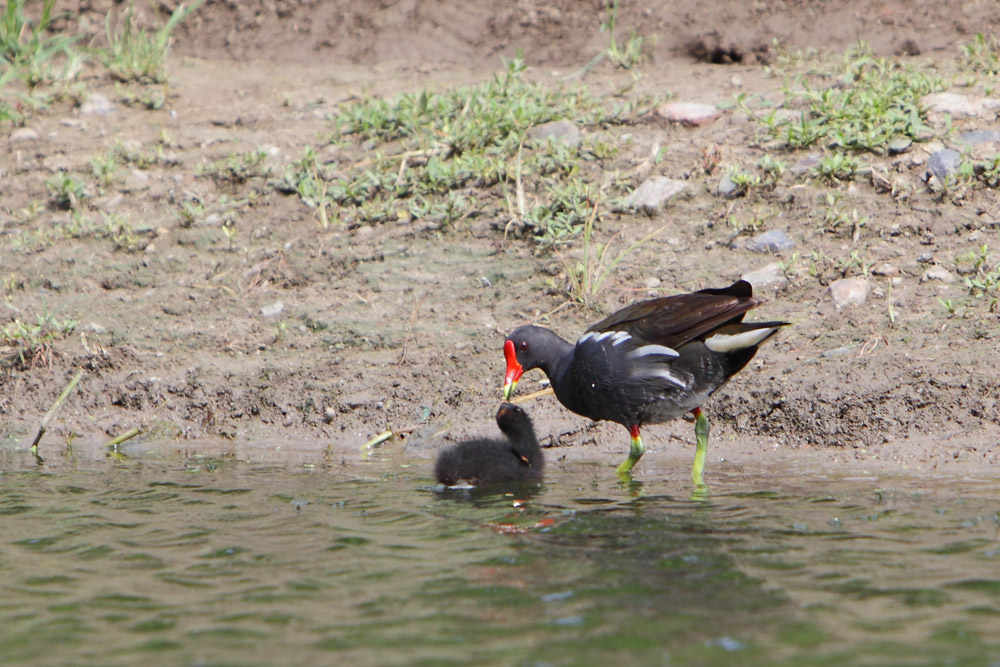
(646,363)
(489,460)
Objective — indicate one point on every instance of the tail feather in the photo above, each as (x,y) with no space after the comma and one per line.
(741,336)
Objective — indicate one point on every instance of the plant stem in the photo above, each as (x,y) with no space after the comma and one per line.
(127,435)
(55,408)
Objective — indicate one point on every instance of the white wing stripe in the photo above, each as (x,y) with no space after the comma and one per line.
(617,337)
(663,374)
(620,337)
(650,350)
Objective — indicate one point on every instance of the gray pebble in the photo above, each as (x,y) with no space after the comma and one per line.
(774,240)
(727,188)
(767,277)
(977,137)
(654,192)
(944,163)
(559,131)
(900,145)
(806,164)
(481,228)
(692,114)
(938,273)
(849,291)
(97,105)
(23,134)
(885,269)
(273,309)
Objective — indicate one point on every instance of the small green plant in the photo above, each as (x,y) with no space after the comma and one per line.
(77,225)
(772,168)
(149,97)
(121,232)
(304,177)
(133,54)
(8,110)
(238,168)
(838,166)
(13,282)
(279,330)
(836,218)
(787,58)
(983,275)
(855,264)
(633,53)
(30,344)
(987,172)
(190,212)
(755,222)
(949,306)
(587,277)
(105,168)
(890,307)
(603,150)
(983,54)
(30,212)
(65,192)
(564,214)
(742,179)
(977,259)
(818,262)
(135,154)
(28,48)
(790,267)
(229,229)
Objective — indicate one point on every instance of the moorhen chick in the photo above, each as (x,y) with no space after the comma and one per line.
(486,460)
(647,363)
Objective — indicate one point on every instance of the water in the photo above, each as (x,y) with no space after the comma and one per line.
(209,562)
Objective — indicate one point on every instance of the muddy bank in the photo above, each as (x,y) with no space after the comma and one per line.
(250,321)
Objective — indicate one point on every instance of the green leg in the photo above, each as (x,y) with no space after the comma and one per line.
(634,454)
(701,429)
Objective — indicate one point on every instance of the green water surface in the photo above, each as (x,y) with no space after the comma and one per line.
(206,563)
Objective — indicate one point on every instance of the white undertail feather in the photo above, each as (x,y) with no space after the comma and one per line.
(723,343)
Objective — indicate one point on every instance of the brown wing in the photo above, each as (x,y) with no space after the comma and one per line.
(674,320)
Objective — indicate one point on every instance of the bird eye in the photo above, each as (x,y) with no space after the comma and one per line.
(524,345)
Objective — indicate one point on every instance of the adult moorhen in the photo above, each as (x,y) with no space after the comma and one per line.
(485,460)
(647,363)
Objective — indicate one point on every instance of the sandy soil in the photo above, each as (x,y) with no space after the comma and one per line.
(401,325)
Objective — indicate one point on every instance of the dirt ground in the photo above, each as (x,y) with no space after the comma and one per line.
(284,333)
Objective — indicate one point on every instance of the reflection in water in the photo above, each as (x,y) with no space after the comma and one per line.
(247,564)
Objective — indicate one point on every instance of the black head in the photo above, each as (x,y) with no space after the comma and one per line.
(515,423)
(529,347)
(510,417)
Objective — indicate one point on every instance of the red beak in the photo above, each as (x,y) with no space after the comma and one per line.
(514,369)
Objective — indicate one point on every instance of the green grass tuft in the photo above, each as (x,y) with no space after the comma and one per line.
(430,156)
(30,344)
(134,54)
(874,101)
